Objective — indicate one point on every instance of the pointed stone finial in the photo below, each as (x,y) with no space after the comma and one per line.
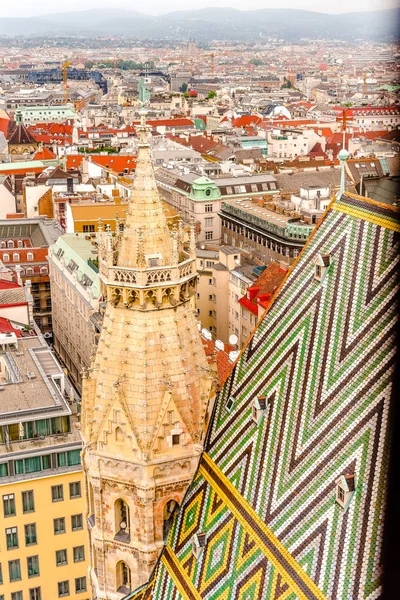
(100,227)
(141,260)
(175,247)
(192,241)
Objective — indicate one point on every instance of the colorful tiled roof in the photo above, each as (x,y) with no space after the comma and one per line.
(266,492)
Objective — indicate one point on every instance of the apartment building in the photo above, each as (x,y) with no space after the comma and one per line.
(198,198)
(43,553)
(25,242)
(267,232)
(224,276)
(75,299)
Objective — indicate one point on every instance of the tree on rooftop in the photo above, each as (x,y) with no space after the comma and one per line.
(183,88)
(211,94)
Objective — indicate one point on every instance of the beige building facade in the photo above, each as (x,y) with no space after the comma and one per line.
(146,393)
(75,298)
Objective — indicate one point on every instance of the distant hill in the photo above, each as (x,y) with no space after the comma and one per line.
(212,23)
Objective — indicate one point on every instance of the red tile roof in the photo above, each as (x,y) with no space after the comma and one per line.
(44,154)
(260,293)
(6,327)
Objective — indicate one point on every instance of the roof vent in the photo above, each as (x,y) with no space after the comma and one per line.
(31,375)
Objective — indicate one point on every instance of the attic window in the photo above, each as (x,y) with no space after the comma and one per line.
(258,409)
(229,403)
(198,543)
(345,487)
(176,439)
(321,265)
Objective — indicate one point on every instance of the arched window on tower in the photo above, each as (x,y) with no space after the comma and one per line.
(170,510)
(123,575)
(122,520)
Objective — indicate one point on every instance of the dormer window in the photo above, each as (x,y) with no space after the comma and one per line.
(30,256)
(345,487)
(198,543)
(6,257)
(258,409)
(230,403)
(10,244)
(15,257)
(321,265)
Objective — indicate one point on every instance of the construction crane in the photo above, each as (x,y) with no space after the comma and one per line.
(64,67)
(365,85)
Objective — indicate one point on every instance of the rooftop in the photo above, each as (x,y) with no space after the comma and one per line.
(29,385)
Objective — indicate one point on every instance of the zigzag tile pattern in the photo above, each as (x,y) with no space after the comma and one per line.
(265,494)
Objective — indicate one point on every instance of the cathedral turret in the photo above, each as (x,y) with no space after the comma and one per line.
(146,394)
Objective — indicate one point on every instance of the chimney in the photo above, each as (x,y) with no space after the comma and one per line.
(29,298)
(18,274)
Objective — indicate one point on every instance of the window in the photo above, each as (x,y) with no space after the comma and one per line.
(9,505)
(30,534)
(30,256)
(229,403)
(63,588)
(208,222)
(43,270)
(208,235)
(175,439)
(80,584)
(198,543)
(61,558)
(75,489)
(14,570)
(57,492)
(209,208)
(12,538)
(6,257)
(210,297)
(340,494)
(34,594)
(59,525)
(16,257)
(79,553)
(30,271)
(16,596)
(209,264)
(1,576)
(88,228)
(33,566)
(28,503)
(10,244)
(76,522)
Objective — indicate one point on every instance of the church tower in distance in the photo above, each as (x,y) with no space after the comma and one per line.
(145,396)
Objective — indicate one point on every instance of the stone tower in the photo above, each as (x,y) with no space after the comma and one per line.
(145,396)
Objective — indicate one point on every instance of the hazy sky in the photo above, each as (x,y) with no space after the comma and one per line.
(25,8)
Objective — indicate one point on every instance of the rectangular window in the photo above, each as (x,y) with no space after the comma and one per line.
(63,588)
(57,493)
(61,460)
(9,505)
(14,570)
(88,228)
(1,576)
(208,235)
(59,525)
(33,464)
(12,538)
(28,503)
(208,222)
(80,584)
(209,208)
(16,596)
(79,553)
(3,470)
(30,534)
(35,594)
(33,566)
(46,462)
(76,522)
(75,489)
(61,558)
